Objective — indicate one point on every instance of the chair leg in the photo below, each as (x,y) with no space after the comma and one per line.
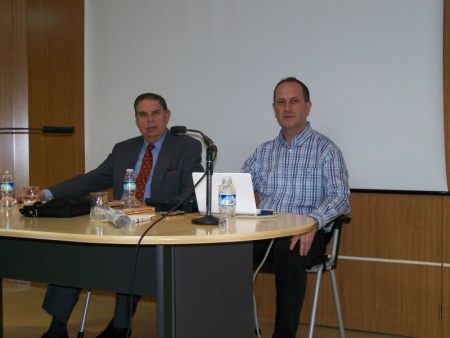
(314,304)
(83,317)
(337,304)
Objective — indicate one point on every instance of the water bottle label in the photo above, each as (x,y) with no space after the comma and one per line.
(227,199)
(129,186)
(7,186)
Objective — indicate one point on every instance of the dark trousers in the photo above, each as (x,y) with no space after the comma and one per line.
(59,302)
(290,278)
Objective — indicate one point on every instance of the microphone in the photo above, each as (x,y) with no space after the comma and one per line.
(182,130)
(208,219)
(45,129)
(178,130)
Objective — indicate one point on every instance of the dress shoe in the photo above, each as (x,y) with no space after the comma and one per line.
(64,335)
(114,332)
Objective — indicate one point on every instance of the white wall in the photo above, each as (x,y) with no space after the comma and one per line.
(374,69)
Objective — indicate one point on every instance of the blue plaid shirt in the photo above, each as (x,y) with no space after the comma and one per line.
(309,178)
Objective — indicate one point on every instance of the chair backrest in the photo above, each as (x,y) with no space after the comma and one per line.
(337,229)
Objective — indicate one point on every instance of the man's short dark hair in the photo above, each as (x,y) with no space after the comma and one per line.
(293,79)
(150,96)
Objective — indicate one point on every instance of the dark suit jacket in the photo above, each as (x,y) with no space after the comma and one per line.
(180,155)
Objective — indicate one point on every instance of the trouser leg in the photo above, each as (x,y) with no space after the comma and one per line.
(122,310)
(290,282)
(59,301)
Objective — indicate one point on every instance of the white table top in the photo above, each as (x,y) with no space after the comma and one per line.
(169,231)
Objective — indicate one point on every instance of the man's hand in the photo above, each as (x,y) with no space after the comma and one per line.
(305,242)
(20,196)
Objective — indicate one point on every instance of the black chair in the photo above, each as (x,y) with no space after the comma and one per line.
(327,262)
(324,264)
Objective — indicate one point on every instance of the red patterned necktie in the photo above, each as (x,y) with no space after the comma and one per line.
(144,172)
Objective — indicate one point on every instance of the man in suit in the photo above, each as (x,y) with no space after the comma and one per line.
(175,157)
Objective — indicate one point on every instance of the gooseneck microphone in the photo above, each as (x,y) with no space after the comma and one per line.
(44,129)
(208,219)
(182,130)
(178,130)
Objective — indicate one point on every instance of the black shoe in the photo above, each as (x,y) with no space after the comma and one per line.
(64,335)
(114,332)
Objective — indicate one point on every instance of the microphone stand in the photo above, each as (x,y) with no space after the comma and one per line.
(208,219)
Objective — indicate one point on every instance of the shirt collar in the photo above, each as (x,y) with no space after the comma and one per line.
(158,143)
(299,138)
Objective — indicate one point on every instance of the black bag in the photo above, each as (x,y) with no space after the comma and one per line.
(62,207)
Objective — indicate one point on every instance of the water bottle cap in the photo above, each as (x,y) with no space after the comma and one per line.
(129,170)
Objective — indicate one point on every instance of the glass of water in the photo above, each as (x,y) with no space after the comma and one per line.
(99,204)
(30,195)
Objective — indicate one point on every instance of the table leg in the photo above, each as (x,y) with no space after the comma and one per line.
(205,291)
(1,308)
(164,291)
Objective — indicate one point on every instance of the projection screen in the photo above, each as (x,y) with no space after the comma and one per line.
(374,70)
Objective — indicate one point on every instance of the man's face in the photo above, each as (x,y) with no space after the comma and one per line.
(151,119)
(291,109)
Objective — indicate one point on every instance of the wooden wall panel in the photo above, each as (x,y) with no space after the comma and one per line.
(392,271)
(6,81)
(446,302)
(20,93)
(264,290)
(42,83)
(398,299)
(446,268)
(13,89)
(446,229)
(395,226)
(56,88)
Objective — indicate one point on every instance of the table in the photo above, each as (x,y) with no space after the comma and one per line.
(201,276)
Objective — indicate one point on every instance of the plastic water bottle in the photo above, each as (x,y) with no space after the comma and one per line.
(129,189)
(117,218)
(227,203)
(7,188)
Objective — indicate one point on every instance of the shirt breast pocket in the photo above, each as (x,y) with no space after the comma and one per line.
(309,180)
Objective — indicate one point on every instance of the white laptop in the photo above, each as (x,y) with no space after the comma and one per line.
(245,197)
